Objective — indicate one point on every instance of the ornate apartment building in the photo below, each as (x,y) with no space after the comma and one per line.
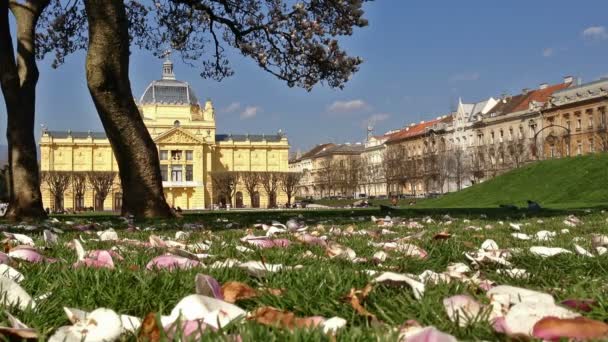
(481,140)
(190,151)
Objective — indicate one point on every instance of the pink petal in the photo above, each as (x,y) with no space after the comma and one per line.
(208,286)
(28,253)
(584,305)
(431,334)
(190,330)
(171,262)
(95,254)
(281,242)
(261,243)
(4,258)
(500,325)
(312,240)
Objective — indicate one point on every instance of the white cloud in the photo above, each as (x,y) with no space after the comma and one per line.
(548,52)
(233,107)
(595,33)
(250,112)
(465,76)
(347,106)
(372,120)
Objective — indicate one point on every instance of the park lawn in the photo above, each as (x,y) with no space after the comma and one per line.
(319,287)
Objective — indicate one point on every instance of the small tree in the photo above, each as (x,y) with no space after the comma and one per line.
(327,175)
(79,185)
(225,182)
(58,182)
(270,181)
(251,181)
(289,183)
(102,182)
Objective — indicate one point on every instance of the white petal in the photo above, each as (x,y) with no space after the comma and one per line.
(214,312)
(522,317)
(548,251)
(13,294)
(11,273)
(580,250)
(489,245)
(333,324)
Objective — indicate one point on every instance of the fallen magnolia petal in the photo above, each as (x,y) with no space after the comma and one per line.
(380,256)
(100,325)
(599,240)
(208,286)
(108,235)
(521,236)
(312,240)
(411,250)
(355,297)
(214,312)
(11,273)
(489,245)
(187,330)
(580,250)
(515,226)
(50,238)
(332,325)
(578,329)
(425,334)
(259,269)
(20,238)
(462,309)
(102,259)
(509,295)
(391,278)
(335,250)
(516,273)
(17,330)
(4,258)
(545,235)
(601,250)
(278,318)
(522,317)
(29,254)
(584,305)
(546,252)
(171,262)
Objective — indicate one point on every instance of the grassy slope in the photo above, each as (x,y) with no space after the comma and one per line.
(570,182)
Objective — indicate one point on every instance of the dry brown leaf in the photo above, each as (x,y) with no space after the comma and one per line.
(442,236)
(355,297)
(149,331)
(274,292)
(234,291)
(284,319)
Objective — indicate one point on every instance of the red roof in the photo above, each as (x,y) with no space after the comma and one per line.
(539,95)
(415,130)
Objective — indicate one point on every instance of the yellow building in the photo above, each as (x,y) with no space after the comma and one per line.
(189,150)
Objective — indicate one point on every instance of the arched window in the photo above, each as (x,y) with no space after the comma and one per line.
(176,123)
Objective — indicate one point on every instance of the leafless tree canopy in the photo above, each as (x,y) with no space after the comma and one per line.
(225,182)
(251,181)
(270,181)
(289,183)
(57,181)
(102,182)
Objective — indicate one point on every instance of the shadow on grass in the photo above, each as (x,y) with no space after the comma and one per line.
(240,219)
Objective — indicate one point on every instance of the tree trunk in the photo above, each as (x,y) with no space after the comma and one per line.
(18,81)
(107,68)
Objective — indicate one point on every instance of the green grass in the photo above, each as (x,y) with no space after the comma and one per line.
(319,287)
(561,183)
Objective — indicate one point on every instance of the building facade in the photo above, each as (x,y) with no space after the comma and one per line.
(190,152)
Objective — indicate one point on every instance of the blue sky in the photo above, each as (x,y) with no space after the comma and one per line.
(420,57)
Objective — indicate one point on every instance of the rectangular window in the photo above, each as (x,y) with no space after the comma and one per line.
(568,125)
(189,155)
(579,148)
(163,172)
(189,173)
(501,135)
(176,173)
(176,155)
(579,123)
(568,149)
(521,132)
(602,117)
(510,134)
(591,145)
(590,123)
(164,154)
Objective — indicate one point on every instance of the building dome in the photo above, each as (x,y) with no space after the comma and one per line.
(168,90)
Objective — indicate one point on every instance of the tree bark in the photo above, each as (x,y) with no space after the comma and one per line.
(107,68)
(18,81)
